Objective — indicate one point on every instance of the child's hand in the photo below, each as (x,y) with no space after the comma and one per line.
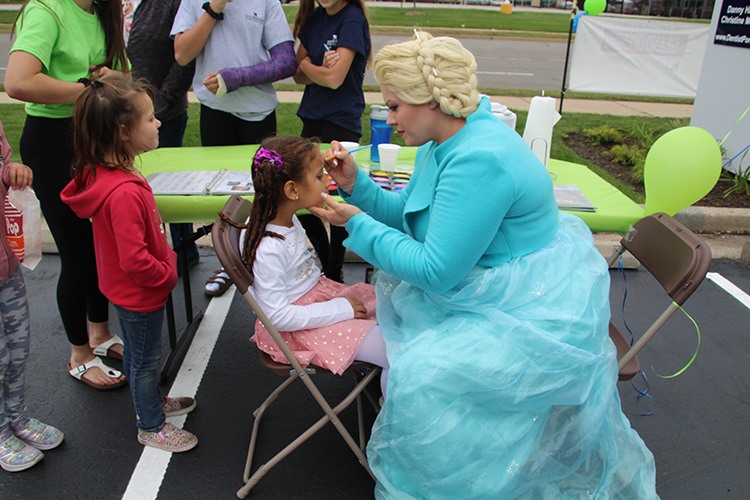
(330,59)
(19,176)
(359,308)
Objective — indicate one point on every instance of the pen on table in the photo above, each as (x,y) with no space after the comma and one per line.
(329,158)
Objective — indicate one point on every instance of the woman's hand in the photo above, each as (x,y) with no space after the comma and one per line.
(342,167)
(334,212)
(19,176)
(100,71)
(360,311)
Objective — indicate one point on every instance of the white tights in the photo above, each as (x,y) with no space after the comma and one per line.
(372,350)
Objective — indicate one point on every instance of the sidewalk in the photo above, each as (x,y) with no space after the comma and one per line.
(617,108)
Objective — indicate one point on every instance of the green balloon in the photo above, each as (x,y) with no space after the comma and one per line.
(595,7)
(681,167)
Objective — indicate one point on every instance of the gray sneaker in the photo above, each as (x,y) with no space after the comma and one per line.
(169,438)
(39,435)
(15,455)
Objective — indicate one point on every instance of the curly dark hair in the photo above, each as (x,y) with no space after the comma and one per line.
(269,180)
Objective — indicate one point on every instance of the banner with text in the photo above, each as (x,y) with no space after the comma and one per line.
(637,57)
(733,26)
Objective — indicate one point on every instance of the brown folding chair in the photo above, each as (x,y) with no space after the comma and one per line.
(226,240)
(677,258)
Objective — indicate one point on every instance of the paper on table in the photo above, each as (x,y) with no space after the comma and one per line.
(570,197)
(201,182)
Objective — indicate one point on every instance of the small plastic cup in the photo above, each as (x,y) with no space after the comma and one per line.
(388,156)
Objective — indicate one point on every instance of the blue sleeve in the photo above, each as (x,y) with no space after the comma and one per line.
(458,228)
(384,206)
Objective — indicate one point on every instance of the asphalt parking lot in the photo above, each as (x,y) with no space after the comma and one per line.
(697,430)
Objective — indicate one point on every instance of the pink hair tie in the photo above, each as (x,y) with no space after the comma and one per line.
(264,155)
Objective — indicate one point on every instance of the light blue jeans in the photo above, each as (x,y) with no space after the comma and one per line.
(141,333)
(14,347)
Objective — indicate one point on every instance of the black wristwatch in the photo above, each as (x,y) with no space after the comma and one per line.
(211,12)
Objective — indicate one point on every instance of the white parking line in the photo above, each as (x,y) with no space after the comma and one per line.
(149,473)
(730,288)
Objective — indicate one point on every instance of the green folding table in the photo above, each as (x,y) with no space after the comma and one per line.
(614,212)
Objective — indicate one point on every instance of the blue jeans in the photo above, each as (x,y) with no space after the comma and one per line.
(141,333)
(170,136)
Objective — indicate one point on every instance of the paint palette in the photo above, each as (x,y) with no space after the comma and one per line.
(391,181)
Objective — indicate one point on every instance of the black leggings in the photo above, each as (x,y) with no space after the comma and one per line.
(47,147)
(219,128)
(331,254)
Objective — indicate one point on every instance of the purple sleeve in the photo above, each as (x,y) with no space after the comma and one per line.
(282,64)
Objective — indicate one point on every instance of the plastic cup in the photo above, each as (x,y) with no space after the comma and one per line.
(388,156)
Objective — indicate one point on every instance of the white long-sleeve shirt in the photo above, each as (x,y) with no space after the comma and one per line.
(284,271)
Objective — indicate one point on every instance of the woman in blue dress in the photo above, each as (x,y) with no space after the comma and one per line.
(493,305)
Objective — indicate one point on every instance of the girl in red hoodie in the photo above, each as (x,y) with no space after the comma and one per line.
(114,121)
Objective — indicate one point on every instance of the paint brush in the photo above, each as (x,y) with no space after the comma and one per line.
(329,158)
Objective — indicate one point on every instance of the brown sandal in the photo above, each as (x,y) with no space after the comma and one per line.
(105,348)
(220,278)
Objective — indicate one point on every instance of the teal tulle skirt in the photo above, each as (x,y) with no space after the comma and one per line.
(505,386)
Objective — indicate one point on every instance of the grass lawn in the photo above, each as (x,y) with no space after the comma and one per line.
(13,117)
(390,18)
(407,18)
(482,22)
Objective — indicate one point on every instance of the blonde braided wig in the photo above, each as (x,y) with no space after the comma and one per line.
(429,69)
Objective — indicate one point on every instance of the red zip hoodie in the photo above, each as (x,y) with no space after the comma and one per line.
(137,268)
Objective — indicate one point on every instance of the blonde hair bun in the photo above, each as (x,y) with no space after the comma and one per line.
(428,69)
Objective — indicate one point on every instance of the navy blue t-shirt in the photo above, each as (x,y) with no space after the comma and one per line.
(345,105)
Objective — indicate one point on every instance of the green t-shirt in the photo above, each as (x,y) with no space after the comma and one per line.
(66,39)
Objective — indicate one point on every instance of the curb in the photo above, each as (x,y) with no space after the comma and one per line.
(716,220)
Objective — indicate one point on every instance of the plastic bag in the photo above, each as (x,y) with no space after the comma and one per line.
(23,226)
